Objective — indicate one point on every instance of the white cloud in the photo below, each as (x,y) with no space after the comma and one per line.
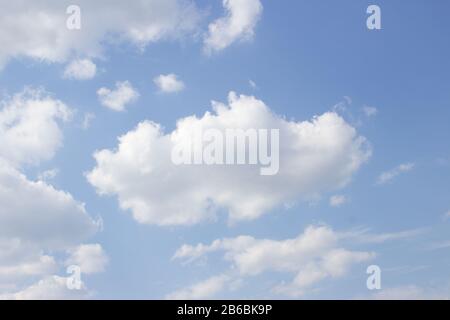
(29,131)
(37,29)
(49,288)
(316,156)
(314,255)
(89,257)
(370,111)
(387,176)
(37,221)
(38,213)
(117,99)
(19,262)
(169,83)
(82,69)
(338,200)
(238,24)
(364,236)
(202,290)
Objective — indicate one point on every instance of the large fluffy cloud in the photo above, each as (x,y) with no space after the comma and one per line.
(37,29)
(315,156)
(238,24)
(37,221)
(35,211)
(314,255)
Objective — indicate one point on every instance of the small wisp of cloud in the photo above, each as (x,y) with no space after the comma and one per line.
(388,176)
(370,111)
(87,120)
(252,84)
(338,200)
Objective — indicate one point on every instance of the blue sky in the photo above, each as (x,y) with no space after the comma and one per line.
(306,58)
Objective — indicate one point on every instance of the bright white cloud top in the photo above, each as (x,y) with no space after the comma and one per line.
(117,99)
(315,156)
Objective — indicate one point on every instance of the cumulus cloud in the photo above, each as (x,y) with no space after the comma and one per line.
(314,255)
(317,254)
(89,257)
(36,220)
(118,99)
(29,126)
(82,69)
(238,23)
(37,212)
(40,32)
(20,260)
(388,176)
(168,83)
(315,156)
